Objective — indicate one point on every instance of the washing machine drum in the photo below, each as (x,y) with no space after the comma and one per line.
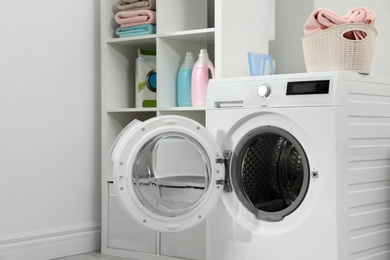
(270,173)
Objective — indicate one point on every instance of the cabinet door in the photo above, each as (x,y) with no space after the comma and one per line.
(125,234)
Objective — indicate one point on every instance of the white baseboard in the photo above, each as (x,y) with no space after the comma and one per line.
(52,243)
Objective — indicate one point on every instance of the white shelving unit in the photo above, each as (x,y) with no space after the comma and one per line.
(228,29)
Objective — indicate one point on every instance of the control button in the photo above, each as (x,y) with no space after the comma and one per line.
(264,91)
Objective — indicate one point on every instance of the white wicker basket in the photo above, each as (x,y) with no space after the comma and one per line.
(329,50)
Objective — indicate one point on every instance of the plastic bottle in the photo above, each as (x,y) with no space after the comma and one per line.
(184,81)
(200,78)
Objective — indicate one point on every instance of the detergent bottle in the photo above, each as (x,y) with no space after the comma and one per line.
(200,78)
(184,81)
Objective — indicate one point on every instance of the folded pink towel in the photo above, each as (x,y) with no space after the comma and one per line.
(136,4)
(133,18)
(322,19)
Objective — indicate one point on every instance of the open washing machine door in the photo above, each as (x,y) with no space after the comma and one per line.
(168,172)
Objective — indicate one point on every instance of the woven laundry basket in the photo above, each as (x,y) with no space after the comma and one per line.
(330,50)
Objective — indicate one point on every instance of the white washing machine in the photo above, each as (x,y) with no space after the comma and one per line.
(288,167)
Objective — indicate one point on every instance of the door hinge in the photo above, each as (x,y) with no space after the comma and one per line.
(226,161)
(220,160)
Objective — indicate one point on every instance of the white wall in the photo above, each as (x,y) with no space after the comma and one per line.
(49,128)
(287,47)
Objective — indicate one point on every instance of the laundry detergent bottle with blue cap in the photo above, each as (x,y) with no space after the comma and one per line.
(184,81)
(200,78)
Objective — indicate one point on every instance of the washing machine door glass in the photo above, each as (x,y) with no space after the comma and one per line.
(272,173)
(166,175)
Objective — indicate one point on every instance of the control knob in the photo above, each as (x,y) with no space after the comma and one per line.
(263,91)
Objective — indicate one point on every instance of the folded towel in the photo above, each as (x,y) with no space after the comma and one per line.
(322,19)
(136,4)
(136,30)
(133,18)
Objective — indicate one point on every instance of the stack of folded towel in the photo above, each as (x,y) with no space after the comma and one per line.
(136,17)
(322,19)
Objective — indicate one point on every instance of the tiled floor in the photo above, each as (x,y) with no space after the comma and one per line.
(91,256)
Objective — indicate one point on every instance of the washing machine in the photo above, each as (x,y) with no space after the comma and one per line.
(292,166)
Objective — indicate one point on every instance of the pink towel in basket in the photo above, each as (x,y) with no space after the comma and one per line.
(322,19)
(133,18)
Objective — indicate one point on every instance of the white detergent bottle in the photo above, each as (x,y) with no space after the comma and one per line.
(184,81)
(200,78)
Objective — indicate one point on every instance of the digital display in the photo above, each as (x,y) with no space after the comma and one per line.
(308,87)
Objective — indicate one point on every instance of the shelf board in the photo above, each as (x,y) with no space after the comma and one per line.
(199,35)
(168,109)
(204,36)
(144,40)
(154,109)
(132,110)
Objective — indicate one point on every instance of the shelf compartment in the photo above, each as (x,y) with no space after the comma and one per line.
(170,55)
(179,15)
(119,74)
(118,65)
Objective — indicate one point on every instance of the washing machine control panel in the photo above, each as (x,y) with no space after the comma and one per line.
(268,91)
(300,89)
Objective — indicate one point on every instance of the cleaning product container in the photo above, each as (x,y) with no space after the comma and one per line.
(331,49)
(200,78)
(145,79)
(184,81)
(258,63)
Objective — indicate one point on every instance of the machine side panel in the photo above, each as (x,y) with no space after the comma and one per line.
(364,161)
